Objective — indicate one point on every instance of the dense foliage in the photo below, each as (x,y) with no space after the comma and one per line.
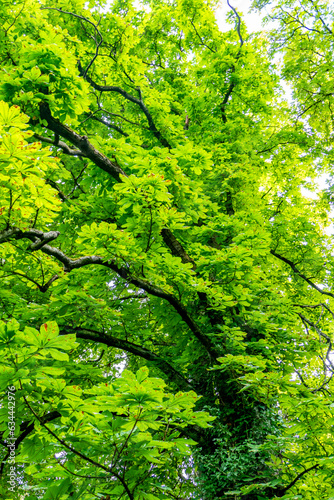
(166,253)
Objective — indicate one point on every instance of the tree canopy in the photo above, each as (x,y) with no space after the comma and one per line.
(166,254)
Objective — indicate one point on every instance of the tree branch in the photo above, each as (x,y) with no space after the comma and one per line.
(81,142)
(27,429)
(238,23)
(131,98)
(39,240)
(122,118)
(111,341)
(176,248)
(321,334)
(109,125)
(78,453)
(55,186)
(281,492)
(232,84)
(60,144)
(200,38)
(133,296)
(42,288)
(105,164)
(97,31)
(301,275)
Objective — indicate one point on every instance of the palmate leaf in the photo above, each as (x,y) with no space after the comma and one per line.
(7,332)
(138,397)
(11,116)
(181,400)
(152,456)
(48,341)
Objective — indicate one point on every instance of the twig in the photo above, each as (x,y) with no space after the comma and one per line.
(109,125)
(301,275)
(232,84)
(66,149)
(201,39)
(97,44)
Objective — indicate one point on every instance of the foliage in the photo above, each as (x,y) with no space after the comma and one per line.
(160,214)
(116,435)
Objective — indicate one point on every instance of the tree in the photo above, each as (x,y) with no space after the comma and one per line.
(153,219)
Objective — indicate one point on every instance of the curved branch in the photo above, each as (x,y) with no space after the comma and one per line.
(179,308)
(137,350)
(83,18)
(105,164)
(232,84)
(42,288)
(35,235)
(131,98)
(39,238)
(321,334)
(78,453)
(301,275)
(281,492)
(27,429)
(238,23)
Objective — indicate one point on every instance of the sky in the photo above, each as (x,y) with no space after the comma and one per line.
(252,19)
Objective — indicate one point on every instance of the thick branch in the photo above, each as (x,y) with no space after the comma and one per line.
(81,142)
(179,308)
(133,296)
(226,98)
(176,248)
(105,164)
(111,341)
(35,235)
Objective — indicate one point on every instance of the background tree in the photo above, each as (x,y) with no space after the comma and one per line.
(152,206)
